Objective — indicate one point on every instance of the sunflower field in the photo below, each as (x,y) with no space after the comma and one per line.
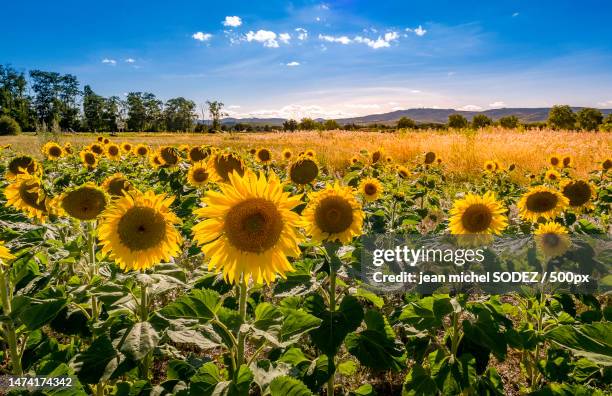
(127,269)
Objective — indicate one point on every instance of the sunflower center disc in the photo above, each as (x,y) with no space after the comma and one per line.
(254,225)
(90,159)
(578,193)
(19,163)
(141,228)
(304,172)
(477,218)
(84,203)
(334,215)
(551,239)
(117,186)
(370,189)
(113,150)
(226,164)
(200,175)
(542,201)
(31,197)
(55,151)
(264,155)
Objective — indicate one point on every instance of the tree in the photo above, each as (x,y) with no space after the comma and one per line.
(215,109)
(144,112)
(308,124)
(457,121)
(14,101)
(561,117)
(112,114)
(68,94)
(46,102)
(93,106)
(481,121)
(607,123)
(8,126)
(290,125)
(589,119)
(406,122)
(330,125)
(509,122)
(179,114)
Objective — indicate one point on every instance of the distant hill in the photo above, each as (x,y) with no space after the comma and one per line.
(423,115)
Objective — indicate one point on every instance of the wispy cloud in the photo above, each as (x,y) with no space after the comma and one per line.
(470,107)
(108,61)
(201,36)
(380,42)
(266,37)
(607,103)
(335,39)
(515,15)
(284,37)
(232,21)
(130,60)
(293,64)
(419,31)
(497,105)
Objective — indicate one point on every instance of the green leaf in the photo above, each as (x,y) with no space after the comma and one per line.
(419,383)
(180,369)
(198,304)
(265,371)
(287,386)
(205,380)
(364,390)
(428,312)
(141,340)
(347,368)
(370,296)
(593,341)
(202,338)
(96,362)
(34,313)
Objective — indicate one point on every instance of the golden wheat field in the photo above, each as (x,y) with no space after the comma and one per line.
(463,153)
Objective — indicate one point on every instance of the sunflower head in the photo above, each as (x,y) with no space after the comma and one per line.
(541,202)
(378,156)
(116,185)
(198,153)
(606,165)
(68,148)
(222,165)
(552,175)
(25,193)
(113,151)
(552,239)
(23,164)
(126,147)
(287,154)
(567,161)
(198,174)
(403,172)
(304,170)
(106,141)
(554,160)
(310,153)
(96,148)
(5,254)
(354,160)
(89,159)
(511,167)
(371,189)
(252,151)
(263,155)
(477,215)
(430,157)
(490,166)
(141,150)
(52,150)
(333,214)
(156,160)
(170,155)
(249,228)
(100,139)
(84,203)
(579,193)
(138,230)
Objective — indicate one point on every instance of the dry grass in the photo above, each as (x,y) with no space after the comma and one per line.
(463,153)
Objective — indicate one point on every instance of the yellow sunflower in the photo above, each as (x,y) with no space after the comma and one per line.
(389,160)
(490,166)
(606,165)
(52,151)
(23,164)
(5,254)
(304,170)
(552,239)
(126,147)
(221,165)
(113,151)
(378,156)
(579,193)
(138,230)
(567,161)
(116,185)
(333,214)
(310,153)
(554,160)
(198,153)
(67,148)
(198,174)
(156,160)
(263,155)
(83,203)
(287,154)
(430,157)
(403,172)
(477,215)
(371,189)
(25,193)
(100,139)
(96,148)
(170,155)
(106,141)
(89,159)
(541,201)
(552,175)
(141,150)
(249,229)
(354,160)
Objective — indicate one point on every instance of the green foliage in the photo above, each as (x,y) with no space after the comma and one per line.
(406,123)
(509,122)
(290,125)
(9,126)
(329,125)
(561,117)
(481,121)
(589,119)
(308,124)
(457,121)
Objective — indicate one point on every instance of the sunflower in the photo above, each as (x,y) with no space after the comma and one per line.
(552,175)
(554,160)
(84,203)
(106,141)
(249,229)
(21,165)
(52,150)
(333,214)
(126,147)
(490,166)
(89,159)
(310,153)
(141,150)
(606,164)
(5,254)
(371,189)
(287,154)
(389,160)
(183,148)
(304,170)
(552,239)
(100,139)
(116,185)
(511,167)
(138,230)
(430,157)
(477,216)
(25,193)
(264,156)
(198,153)
(156,160)
(67,148)
(221,165)
(403,172)
(567,161)
(378,156)
(113,151)
(354,160)
(252,151)
(198,174)
(541,201)
(96,148)
(170,155)
(579,193)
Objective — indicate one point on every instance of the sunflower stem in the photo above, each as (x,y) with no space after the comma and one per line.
(9,329)
(241,334)
(332,309)
(91,239)
(144,316)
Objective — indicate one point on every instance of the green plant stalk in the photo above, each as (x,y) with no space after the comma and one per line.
(332,308)
(144,316)
(9,328)
(91,241)
(242,309)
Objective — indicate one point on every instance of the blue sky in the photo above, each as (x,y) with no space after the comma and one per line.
(324,59)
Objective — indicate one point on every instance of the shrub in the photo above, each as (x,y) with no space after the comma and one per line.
(8,126)
(561,117)
(589,119)
(481,121)
(509,122)
(457,121)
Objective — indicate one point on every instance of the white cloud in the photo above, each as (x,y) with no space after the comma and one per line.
(376,44)
(339,39)
(298,111)
(302,34)
(266,37)
(232,21)
(130,60)
(109,61)
(284,37)
(396,108)
(393,103)
(201,36)
(415,91)
(470,108)
(233,107)
(515,15)
(390,36)
(293,64)
(607,103)
(419,31)
(318,19)
(497,105)
(324,7)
